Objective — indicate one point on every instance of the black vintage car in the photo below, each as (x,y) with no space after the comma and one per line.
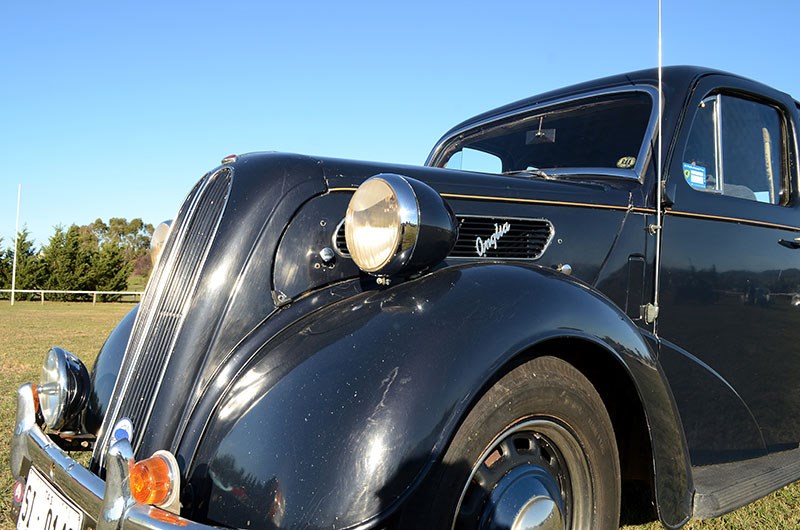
(516,335)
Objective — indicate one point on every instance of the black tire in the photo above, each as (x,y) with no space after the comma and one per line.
(541,434)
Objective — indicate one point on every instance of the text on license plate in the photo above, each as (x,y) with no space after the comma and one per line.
(44,508)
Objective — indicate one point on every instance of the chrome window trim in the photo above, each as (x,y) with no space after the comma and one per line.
(644,149)
(720,185)
(791,154)
(717,117)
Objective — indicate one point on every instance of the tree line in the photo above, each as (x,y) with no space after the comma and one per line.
(96,257)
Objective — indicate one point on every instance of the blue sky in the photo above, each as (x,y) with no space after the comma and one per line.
(114,109)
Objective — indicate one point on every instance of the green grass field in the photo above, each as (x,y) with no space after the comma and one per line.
(28,329)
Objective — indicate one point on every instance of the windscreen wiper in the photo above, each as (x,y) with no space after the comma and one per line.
(530,173)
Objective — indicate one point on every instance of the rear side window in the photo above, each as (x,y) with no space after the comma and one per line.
(735,148)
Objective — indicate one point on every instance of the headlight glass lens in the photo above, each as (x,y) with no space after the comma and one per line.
(373,225)
(53,388)
(157,241)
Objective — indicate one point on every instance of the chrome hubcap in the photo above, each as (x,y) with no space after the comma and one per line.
(533,477)
(540,514)
(527,498)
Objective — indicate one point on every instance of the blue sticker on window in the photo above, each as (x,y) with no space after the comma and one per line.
(695,175)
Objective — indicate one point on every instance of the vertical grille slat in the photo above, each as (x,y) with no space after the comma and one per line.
(167,299)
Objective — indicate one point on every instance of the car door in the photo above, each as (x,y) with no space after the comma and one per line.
(730,298)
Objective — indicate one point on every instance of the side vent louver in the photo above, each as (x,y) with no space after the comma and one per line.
(502,238)
(490,238)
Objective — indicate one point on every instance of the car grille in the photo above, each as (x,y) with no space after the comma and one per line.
(167,298)
(526,239)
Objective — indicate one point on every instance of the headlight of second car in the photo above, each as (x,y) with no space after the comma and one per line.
(157,241)
(397,224)
(63,389)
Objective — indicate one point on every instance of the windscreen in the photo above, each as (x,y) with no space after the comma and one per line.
(604,131)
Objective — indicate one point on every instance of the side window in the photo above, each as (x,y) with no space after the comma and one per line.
(701,158)
(735,149)
(751,149)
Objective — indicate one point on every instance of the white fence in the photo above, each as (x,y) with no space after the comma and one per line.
(42,292)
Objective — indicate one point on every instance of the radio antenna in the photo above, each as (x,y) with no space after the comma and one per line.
(660,119)
(651,310)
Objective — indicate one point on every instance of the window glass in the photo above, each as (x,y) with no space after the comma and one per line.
(605,131)
(701,157)
(475,160)
(735,149)
(751,150)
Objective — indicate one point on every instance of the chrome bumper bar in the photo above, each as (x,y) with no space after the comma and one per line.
(108,502)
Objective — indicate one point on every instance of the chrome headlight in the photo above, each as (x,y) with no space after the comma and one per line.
(398,224)
(157,241)
(63,389)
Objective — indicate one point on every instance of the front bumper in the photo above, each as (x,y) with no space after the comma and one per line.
(106,504)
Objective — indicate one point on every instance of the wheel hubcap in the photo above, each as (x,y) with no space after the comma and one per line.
(533,477)
(526,498)
(540,514)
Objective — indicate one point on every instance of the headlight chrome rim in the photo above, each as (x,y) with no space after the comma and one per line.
(63,389)
(53,388)
(422,227)
(397,250)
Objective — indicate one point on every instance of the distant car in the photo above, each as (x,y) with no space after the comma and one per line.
(508,337)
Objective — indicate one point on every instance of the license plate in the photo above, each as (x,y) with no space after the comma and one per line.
(44,508)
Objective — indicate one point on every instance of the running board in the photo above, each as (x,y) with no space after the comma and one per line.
(722,488)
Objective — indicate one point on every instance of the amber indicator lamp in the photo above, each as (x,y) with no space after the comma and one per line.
(154,480)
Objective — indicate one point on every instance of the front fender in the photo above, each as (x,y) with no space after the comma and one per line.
(336,419)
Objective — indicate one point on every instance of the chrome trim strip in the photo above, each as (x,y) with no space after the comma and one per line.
(544,202)
(635,209)
(791,154)
(108,502)
(644,149)
(751,222)
(720,183)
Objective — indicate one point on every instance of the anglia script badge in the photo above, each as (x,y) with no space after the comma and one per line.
(482,246)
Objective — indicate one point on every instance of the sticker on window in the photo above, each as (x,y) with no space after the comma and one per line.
(695,175)
(626,162)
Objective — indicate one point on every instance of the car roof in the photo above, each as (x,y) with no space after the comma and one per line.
(671,75)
